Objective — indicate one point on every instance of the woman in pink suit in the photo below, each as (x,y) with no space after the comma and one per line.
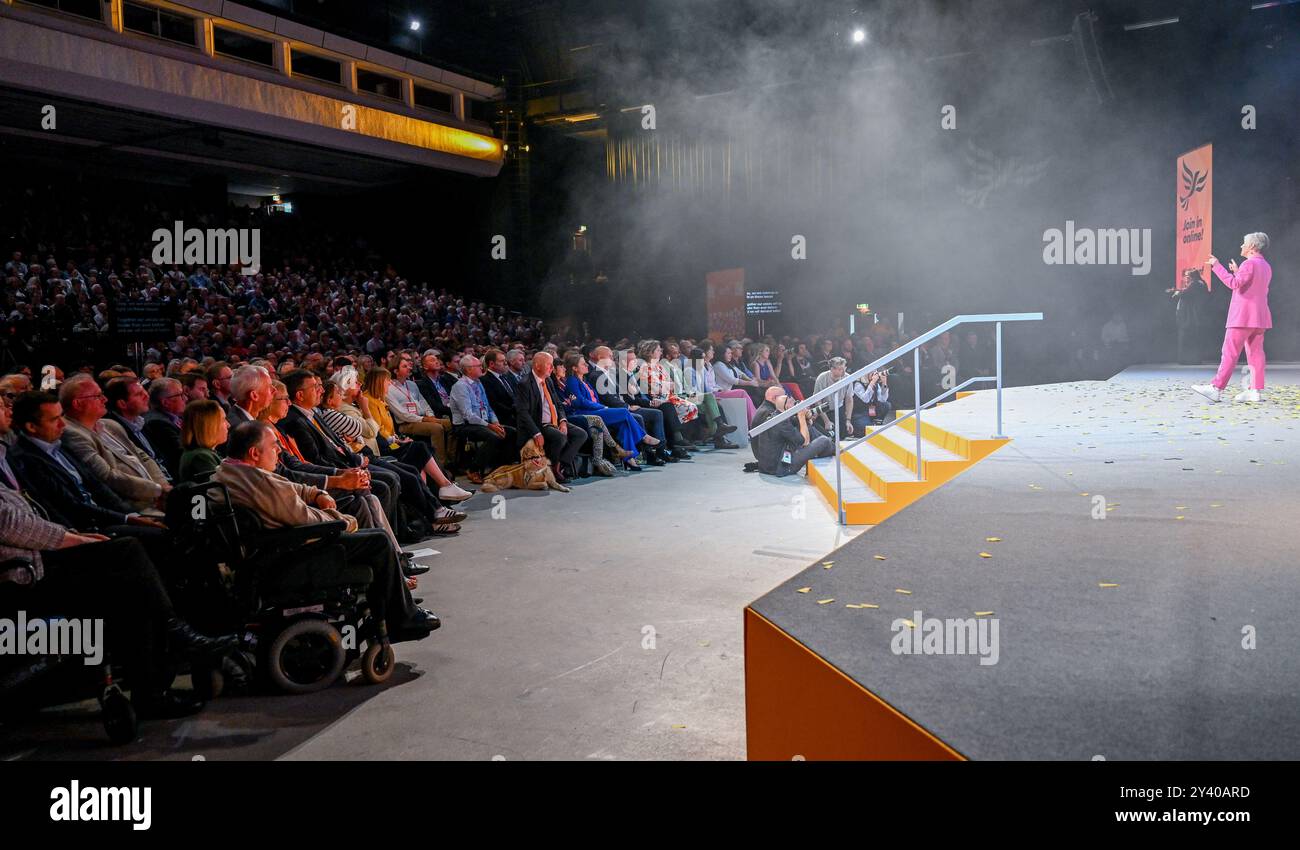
(1248,317)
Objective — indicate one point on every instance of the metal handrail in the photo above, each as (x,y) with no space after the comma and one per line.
(894,355)
(913,346)
(931,403)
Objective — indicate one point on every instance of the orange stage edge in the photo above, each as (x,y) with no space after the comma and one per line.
(799,706)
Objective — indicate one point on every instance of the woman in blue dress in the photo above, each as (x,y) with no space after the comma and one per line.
(620,420)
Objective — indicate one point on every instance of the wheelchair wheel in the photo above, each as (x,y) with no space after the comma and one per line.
(118,716)
(377,663)
(307,656)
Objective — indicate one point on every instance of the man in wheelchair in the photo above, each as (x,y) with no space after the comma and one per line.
(248,473)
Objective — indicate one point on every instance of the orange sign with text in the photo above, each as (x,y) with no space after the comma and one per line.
(1193,212)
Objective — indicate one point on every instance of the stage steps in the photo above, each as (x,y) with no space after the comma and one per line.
(879,476)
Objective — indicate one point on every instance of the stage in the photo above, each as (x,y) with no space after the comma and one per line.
(1120,636)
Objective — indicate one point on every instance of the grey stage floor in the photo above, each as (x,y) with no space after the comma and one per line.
(1201,543)
(601,624)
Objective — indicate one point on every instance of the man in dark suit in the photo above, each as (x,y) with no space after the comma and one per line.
(162,424)
(70,494)
(435,384)
(540,418)
(787,447)
(323,447)
(500,385)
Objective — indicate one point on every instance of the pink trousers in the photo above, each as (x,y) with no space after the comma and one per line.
(1234,339)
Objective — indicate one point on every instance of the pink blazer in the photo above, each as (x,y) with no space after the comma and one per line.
(1249,306)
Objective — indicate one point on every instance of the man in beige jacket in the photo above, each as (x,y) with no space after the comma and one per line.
(249,474)
(115,460)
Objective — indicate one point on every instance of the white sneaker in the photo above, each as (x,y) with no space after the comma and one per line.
(453,493)
(1210,391)
(1249,396)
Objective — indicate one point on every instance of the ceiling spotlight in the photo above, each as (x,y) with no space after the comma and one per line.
(415,25)
(859,35)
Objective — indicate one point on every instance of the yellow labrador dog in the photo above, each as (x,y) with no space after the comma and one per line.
(533,473)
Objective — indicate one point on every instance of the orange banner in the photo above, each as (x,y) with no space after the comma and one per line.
(1194,213)
(726,298)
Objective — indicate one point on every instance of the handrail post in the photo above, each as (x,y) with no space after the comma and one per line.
(999,363)
(839,490)
(916,390)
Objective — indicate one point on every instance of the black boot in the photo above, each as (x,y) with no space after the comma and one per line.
(724,429)
(721,442)
(189,642)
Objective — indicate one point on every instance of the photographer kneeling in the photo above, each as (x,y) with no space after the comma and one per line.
(789,446)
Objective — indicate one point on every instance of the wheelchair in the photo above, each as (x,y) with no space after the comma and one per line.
(298,605)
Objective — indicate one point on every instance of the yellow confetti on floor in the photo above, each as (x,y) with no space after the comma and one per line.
(904,592)
(803,590)
(992,539)
(1180,516)
(868,605)
(983,613)
(827,566)
(909,624)
(825,601)
(679,725)
(1216,505)
(1106,584)
(985,555)
(827,563)
(879,557)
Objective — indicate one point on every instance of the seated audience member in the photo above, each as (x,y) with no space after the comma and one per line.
(354,404)
(48,570)
(196,386)
(128,402)
(555,383)
(517,362)
(540,418)
(349,487)
(162,424)
(841,398)
(603,377)
(652,381)
(729,376)
(152,372)
(203,428)
(473,419)
(760,366)
(67,492)
(415,455)
(219,375)
(705,375)
(786,448)
(628,430)
(435,384)
(411,413)
(500,385)
(139,482)
(872,405)
(249,474)
(321,446)
(802,367)
(694,388)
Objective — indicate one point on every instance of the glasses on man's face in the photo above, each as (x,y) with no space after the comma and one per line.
(174,395)
(97,396)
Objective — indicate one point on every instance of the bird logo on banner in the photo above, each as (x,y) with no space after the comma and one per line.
(1193,182)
